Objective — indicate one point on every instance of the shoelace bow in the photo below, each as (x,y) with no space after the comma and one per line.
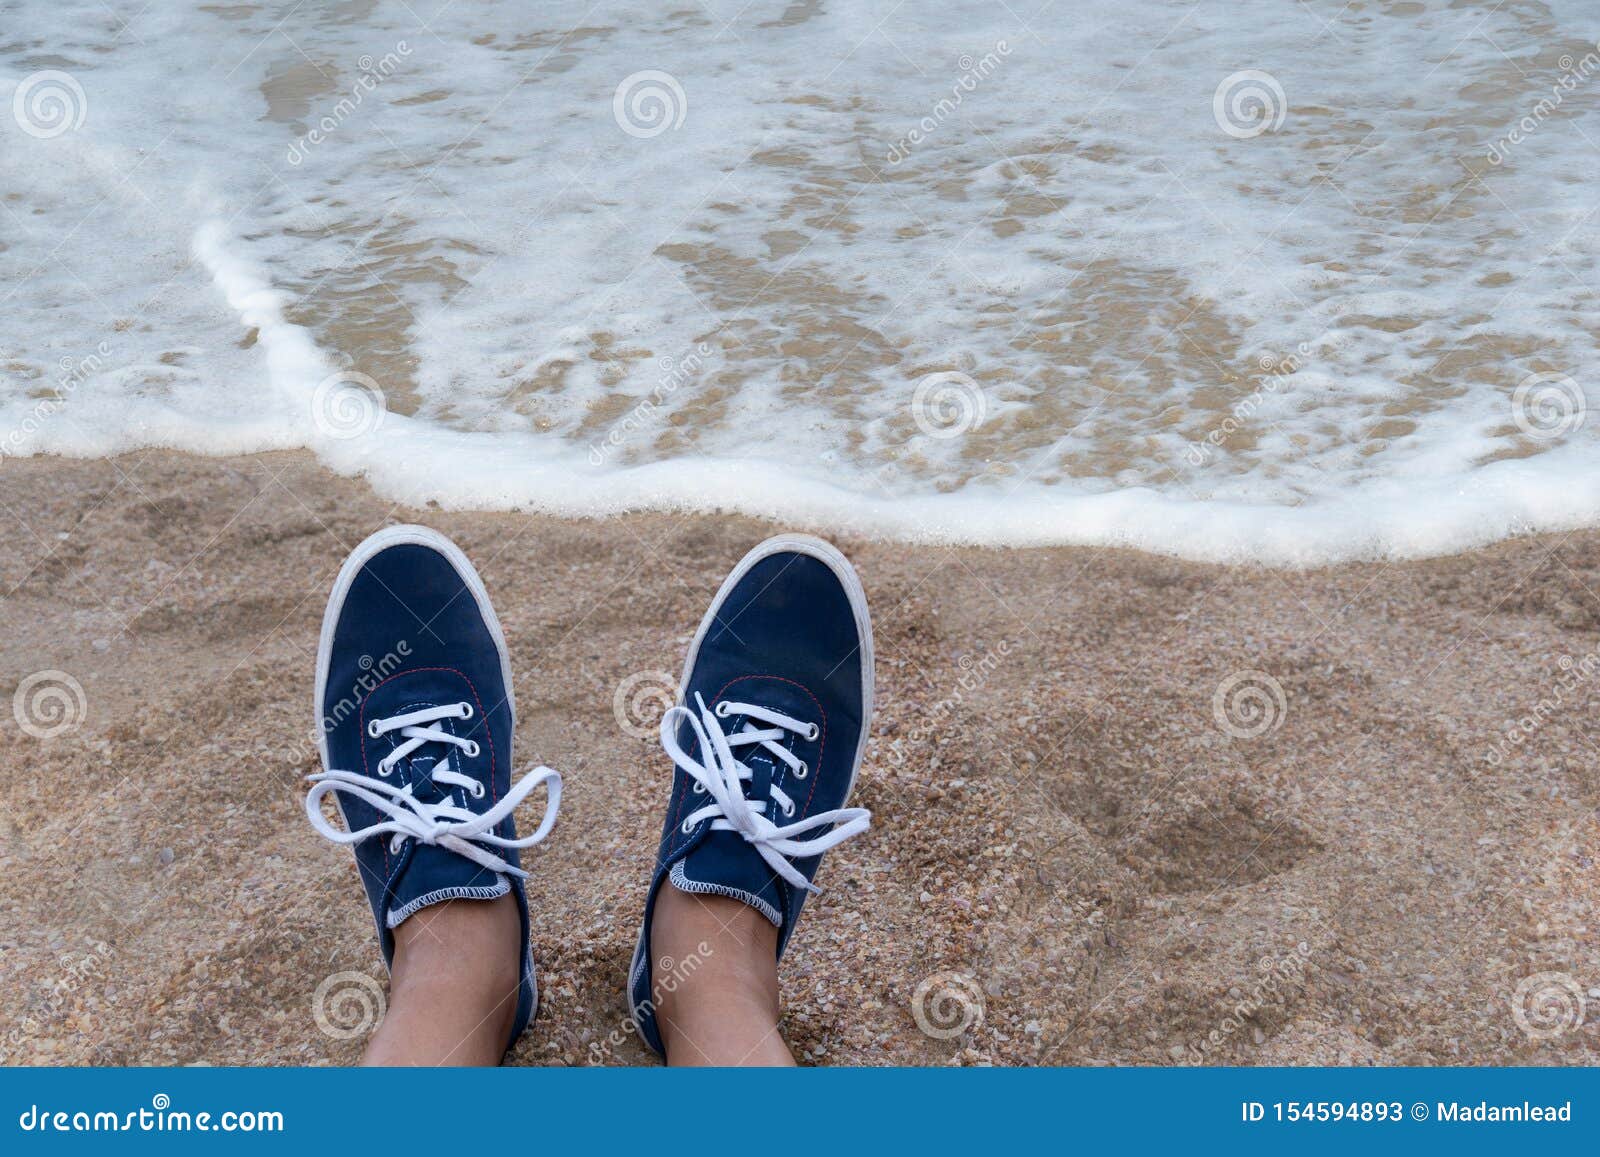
(721,776)
(443,823)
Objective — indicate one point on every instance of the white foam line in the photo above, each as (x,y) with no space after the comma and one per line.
(416,462)
(294,363)
(476,471)
(1380,520)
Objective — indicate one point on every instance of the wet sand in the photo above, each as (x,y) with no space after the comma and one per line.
(1128,810)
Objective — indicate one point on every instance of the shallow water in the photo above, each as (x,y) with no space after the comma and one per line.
(1229,280)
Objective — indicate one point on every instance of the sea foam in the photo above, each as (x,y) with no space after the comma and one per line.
(1229,284)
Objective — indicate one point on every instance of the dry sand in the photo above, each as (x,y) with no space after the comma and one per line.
(1059,815)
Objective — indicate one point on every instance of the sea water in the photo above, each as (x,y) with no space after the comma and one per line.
(1291,282)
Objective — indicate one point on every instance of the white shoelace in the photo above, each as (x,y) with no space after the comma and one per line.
(442,823)
(721,776)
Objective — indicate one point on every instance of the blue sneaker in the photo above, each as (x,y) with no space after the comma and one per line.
(767,739)
(415,717)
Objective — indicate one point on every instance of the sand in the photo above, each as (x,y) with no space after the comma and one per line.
(1078,856)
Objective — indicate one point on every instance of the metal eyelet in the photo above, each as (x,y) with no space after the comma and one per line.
(394,843)
(699,788)
(814,732)
(686,827)
(465,709)
(786,809)
(477,790)
(384,768)
(721,710)
(372,729)
(471,750)
(802,771)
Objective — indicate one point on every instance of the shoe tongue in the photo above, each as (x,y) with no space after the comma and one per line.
(419,773)
(428,875)
(726,864)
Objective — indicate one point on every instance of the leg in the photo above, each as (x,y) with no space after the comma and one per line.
(453,988)
(766,741)
(419,762)
(717,993)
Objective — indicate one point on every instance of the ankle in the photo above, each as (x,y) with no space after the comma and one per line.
(462,955)
(714,978)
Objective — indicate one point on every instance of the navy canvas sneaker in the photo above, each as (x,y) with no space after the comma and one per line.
(415,717)
(766,739)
